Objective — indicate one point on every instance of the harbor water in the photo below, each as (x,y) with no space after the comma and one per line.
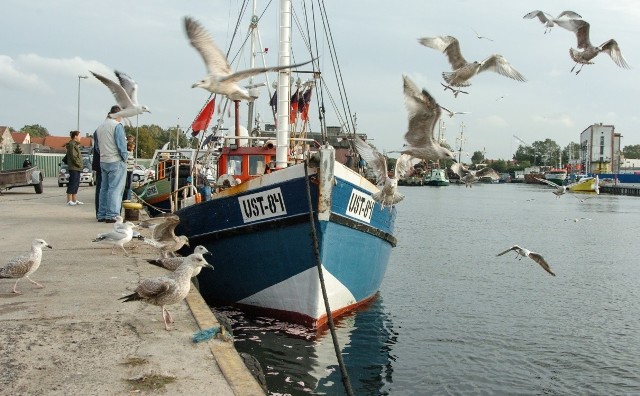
(452,318)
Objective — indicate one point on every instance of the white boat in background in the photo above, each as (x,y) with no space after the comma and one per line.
(556,175)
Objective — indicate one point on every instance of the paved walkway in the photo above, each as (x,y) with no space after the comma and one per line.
(74,337)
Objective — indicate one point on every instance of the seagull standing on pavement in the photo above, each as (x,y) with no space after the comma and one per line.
(24,265)
(172,263)
(117,237)
(170,289)
(463,71)
(532,255)
(126,95)
(220,79)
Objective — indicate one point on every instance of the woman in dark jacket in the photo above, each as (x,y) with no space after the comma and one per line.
(74,167)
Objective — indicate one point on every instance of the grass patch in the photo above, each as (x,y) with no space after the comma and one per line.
(150,382)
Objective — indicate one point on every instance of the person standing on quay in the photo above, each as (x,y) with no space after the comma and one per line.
(74,167)
(95,166)
(112,145)
(131,146)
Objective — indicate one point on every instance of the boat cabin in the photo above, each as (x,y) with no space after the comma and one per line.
(245,163)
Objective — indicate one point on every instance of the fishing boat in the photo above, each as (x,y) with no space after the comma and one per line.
(556,175)
(295,219)
(437,177)
(586,184)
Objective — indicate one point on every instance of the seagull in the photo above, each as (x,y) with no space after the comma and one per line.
(172,263)
(24,265)
(463,71)
(424,113)
(170,289)
(165,239)
(469,176)
(589,51)
(548,19)
(388,194)
(118,223)
(532,255)
(117,237)
(559,190)
(481,37)
(452,113)
(219,78)
(126,94)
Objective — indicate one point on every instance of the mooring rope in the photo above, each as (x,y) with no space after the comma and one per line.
(316,251)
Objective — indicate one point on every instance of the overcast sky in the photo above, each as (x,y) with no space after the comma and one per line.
(45,45)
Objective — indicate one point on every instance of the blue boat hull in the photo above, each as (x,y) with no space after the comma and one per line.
(263,247)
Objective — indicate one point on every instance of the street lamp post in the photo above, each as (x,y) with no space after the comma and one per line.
(79,77)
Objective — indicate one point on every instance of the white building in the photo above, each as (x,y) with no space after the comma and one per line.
(600,149)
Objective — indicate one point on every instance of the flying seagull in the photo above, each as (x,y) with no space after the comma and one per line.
(548,20)
(470,176)
(589,51)
(424,113)
(463,71)
(117,237)
(170,289)
(125,93)
(559,190)
(481,37)
(24,265)
(220,79)
(388,183)
(452,113)
(165,239)
(532,255)
(172,263)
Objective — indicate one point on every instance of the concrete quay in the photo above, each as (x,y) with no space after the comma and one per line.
(74,336)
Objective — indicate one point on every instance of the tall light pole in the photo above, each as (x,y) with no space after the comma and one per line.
(79,78)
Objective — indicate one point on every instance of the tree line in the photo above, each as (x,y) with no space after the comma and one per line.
(541,152)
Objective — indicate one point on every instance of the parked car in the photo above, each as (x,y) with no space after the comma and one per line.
(142,174)
(87,175)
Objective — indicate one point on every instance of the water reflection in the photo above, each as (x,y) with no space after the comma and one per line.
(296,360)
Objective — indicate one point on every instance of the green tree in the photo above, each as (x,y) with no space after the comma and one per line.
(17,150)
(477,157)
(571,151)
(632,151)
(500,166)
(35,130)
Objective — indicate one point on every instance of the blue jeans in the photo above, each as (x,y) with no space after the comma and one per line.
(112,186)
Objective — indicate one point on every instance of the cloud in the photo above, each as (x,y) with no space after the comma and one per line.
(12,77)
(494,121)
(555,119)
(63,67)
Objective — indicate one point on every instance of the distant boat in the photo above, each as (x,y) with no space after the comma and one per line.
(556,175)
(437,177)
(586,184)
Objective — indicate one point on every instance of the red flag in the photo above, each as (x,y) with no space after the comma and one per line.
(202,121)
(305,108)
(293,115)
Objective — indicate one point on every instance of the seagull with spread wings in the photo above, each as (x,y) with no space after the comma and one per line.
(424,112)
(520,251)
(125,93)
(388,182)
(25,264)
(463,71)
(220,79)
(589,51)
(548,20)
(165,239)
(470,176)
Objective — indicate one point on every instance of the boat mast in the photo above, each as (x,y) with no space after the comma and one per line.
(284,81)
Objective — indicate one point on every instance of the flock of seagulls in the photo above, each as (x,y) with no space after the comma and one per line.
(573,22)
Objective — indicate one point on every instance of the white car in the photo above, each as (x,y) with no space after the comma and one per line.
(86,176)
(142,174)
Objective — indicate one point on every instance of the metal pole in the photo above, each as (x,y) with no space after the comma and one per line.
(79,77)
